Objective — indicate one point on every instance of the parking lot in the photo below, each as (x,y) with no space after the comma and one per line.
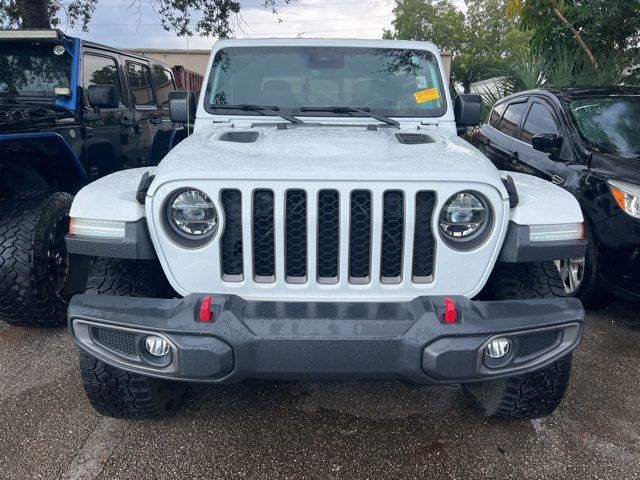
(321,430)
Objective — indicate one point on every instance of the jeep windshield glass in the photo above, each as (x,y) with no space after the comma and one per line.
(387,81)
(610,124)
(32,69)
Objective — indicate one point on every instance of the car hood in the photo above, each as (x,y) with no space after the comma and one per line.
(333,153)
(625,168)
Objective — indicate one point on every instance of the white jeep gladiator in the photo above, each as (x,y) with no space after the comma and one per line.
(324,221)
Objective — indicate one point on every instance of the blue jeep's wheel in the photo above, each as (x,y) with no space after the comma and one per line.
(34,263)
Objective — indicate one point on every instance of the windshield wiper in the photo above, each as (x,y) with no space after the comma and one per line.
(8,97)
(271,110)
(346,109)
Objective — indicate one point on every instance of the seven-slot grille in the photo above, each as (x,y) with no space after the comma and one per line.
(323,242)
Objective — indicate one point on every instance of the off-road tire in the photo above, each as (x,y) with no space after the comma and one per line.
(112,391)
(532,395)
(119,394)
(517,281)
(28,296)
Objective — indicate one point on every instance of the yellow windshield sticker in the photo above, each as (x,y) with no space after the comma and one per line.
(427,95)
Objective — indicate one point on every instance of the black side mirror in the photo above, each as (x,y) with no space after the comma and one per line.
(103,96)
(546,142)
(182,106)
(468,110)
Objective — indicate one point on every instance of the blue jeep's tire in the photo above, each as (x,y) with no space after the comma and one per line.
(34,263)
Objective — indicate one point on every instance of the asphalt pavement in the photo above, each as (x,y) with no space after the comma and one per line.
(291,430)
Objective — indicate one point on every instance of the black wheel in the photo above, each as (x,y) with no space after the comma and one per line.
(120,394)
(34,263)
(532,395)
(580,275)
(516,281)
(113,391)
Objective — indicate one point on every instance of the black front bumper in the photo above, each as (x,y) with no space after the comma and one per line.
(316,340)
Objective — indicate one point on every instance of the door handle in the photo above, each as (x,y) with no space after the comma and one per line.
(125,122)
(156,120)
(557,179)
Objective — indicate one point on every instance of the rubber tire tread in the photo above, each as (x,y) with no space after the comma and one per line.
(26,296)
(518,281)
(529,396)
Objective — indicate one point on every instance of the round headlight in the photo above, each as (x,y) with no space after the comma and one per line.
(192,214)
(464,217)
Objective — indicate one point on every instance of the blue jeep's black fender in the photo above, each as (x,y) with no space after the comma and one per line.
(37,160)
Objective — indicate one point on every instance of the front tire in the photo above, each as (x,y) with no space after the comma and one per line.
(34,263)
(532,395)
(535,394)
(112,391)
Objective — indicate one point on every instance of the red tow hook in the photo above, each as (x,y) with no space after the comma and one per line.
(450,315)
(206,315)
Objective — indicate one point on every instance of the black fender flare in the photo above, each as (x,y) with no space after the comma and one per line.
(65,167)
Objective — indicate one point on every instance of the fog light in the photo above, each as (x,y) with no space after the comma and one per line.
(156,346)
(498,348)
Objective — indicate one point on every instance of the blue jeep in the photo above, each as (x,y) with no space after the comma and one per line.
(71,111)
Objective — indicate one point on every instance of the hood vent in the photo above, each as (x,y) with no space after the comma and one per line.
(239,137)
(414,138)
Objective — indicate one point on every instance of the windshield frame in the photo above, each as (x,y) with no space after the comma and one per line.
(443,111)
(598,98)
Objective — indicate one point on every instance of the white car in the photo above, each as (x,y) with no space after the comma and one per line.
(324,221)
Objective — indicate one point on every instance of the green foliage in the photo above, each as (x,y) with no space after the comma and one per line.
(479,41)
(205,17)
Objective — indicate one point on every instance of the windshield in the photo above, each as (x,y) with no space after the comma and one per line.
(391,82)
(611,124)
(33,69)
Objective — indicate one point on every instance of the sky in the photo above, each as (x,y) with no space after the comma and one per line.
(117,24)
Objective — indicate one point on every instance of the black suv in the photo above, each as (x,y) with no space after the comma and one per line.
(70,112)
(586,140)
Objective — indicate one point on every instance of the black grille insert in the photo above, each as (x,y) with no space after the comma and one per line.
(423,241)
(263,239)
(328,235)
(360,237)
(231,242)
(533,343)
(296,235)
(392,237)
(119,341)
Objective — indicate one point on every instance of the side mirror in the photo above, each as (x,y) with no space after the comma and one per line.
(546,142)
(103,96)
(468,110)
(182,106)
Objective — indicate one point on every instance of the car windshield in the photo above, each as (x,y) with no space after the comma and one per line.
(611,124)
(33,69)
(304,80)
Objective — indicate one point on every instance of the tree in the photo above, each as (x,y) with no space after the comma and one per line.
(479,41)
(213,19)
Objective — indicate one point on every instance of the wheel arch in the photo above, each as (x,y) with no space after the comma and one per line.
(39,161)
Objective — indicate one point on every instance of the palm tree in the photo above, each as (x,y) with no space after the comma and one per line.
(518,7)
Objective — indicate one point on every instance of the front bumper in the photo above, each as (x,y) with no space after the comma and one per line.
(320,340)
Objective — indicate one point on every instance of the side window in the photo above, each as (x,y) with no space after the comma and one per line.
(164,84)
(139,79)
(496,115)
(100,70)
(538,121)
(511,119)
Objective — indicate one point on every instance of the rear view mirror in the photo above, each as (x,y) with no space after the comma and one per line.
(103,96)
(468,110)
(546,142)
(182,106)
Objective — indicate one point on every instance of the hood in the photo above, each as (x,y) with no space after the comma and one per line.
(345,153)
(617,166)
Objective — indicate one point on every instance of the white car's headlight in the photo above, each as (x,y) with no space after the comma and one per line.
(627,196)
(89,227)
(465,217)
(191,215)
